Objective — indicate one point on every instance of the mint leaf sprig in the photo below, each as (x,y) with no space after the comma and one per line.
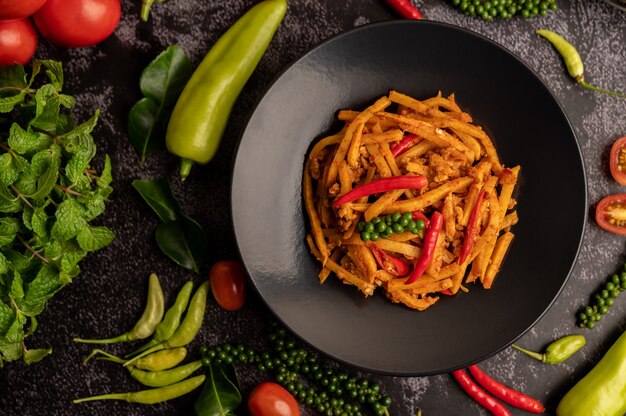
(49,195)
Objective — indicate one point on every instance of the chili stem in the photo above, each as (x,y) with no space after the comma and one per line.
(112,396)
(591,87)
(533,354)
(120,338)
(108,356)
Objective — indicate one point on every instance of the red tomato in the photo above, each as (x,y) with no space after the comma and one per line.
(228,284)
(77,23)
(271,399)
(611,214)
(18,9)
(18,41)
(618,160)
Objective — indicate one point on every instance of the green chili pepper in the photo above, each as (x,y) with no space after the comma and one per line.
(559,351)
(200,115)
(171,321)
(146,325)
(152,396)
(166,377)
(157,361)
(602,392)
(572,59)
(188,329)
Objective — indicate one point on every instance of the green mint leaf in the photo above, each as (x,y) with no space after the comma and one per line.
(10,351)
(69,264)
(7,104)
(159,197)
(69,220)
(33,356)
(94,238)
(46,164)
(39,222)
(8,172)
(54,70)
(66,101)
(9,227)
(15,332)
(161,82)
(34,324)
(94,205)
(82,129)
(47,109)
(13,76)
(45,284)
(7,316)
(105,176)
(16,291)
(25,141)
(4,265)
(9,203)
(36,68)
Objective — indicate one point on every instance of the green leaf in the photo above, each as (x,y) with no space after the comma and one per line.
(7,316)
(161,82)
(69,220)
(80,130)
(13,76)
(159,197)
(9,227)
(47,109)
(33,356)
(183,241)
(7,104)
(54,70)
(45,163)
(94,205)
(94,238)
(16,291)
(26,141)
(75,168)
(4,264)
(39,222)
(8,172)
(10,351)
(38,291)
(220,394)
(8,202)
(15,333)
(69,265)
(105,178)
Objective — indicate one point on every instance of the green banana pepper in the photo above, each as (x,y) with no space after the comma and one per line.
(202,110)
(559,351)
(602,392)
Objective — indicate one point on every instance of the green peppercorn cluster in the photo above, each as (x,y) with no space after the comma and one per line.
(602,300)
(326,390)
(383,227)
(504,9)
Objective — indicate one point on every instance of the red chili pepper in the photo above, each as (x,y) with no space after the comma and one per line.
(479,395)
(405,144)
(470,232)
(382,185)
(430,241)
(405,9)
(506,394)
(389,263)
(447,292)
(419,215)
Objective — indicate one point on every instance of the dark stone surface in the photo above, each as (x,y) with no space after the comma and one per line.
(110,292)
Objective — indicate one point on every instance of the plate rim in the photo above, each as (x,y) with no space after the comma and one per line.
(447,26)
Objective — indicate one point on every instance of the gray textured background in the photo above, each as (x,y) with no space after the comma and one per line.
(110,292)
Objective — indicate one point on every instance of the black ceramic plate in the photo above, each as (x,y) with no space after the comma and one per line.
(349,71)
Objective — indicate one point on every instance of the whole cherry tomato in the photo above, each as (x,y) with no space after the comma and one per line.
(77,23)
(18,9)
(271,399)
(611,214)
(18,41)
(228,284)
(618,160)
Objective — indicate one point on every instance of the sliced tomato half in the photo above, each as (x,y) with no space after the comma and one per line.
(611,214)
(618,160)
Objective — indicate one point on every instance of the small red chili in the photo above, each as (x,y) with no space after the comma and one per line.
(447,292)
(405,9)
(392,265)
(419,215)
(430,241)
(506,394)
(382,185)
(470,233)
(479,395)
(405,144)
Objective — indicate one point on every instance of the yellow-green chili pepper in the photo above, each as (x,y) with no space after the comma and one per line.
(145,326)
(171,321)
(157,361)
(152,396)
(572,59)
(558,351)
(188,329)
(602,392)
(165,377)
(202,110)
